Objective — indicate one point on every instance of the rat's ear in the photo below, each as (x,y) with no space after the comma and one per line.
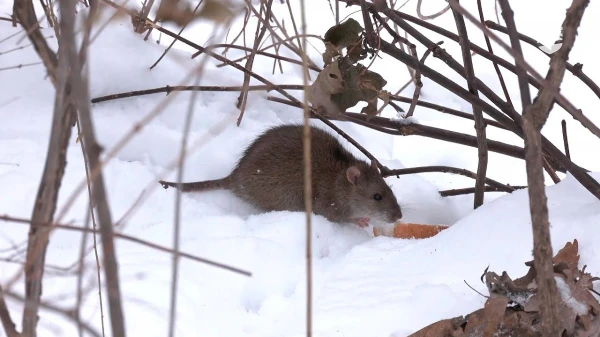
(353,173)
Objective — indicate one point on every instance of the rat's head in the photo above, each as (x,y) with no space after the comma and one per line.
(370,196)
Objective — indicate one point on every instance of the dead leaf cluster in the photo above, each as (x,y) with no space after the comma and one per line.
(344,82)
(512,309)
(182,14)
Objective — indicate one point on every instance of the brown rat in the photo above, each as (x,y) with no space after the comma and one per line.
(270,176)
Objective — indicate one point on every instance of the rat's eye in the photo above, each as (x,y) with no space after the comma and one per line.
(377,196)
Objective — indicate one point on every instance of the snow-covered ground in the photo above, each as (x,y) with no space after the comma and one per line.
(362,285)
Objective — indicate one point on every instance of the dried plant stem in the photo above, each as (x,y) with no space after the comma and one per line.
(482,150)
(146,7)
(177,220)
(297,51)
(81,95)
(92,217)
(174,40)
(278,57)
(260,33)
(307,173)
(275,45)
(81,271)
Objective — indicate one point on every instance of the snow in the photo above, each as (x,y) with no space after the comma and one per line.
(362,285)
(565,294)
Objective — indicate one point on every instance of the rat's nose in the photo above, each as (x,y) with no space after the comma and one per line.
(397,215)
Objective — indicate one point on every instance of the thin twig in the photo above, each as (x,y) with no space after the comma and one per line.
(482,150)
(565,138)
(491,50)
(168,89)
(174,40)
(413,129)
(278,57)
(260,33)
(470,190)
(81,271)
(19,66)
(575,69)
(276,45)
(289,6)
(513,122)
(126,238)
(177,220)
(64,312)
(449,169)
(307,174)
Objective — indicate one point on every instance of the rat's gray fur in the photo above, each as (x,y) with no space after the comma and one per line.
(270,176)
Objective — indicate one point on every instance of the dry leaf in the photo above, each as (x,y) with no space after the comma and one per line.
(216,10)
(175,11)
(330,52)
(327,83)
(486,324)
(356,52)
(344,34)
(446,328)
(569,255)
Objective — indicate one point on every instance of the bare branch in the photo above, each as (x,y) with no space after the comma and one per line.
(535,117)
(7,322)
(46,199)
(576,69)
(469,190)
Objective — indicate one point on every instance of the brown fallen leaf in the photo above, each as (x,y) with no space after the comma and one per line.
(216,10)
(492,315)
(327,83)
(447,328)
(569,255)
(356,51)
(343,35)
(175,11)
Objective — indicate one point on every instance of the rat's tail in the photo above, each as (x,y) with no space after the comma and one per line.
(199,185)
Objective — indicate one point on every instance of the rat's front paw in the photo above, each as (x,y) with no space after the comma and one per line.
(362,222)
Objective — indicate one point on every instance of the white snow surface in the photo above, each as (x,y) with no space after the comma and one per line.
(362,285)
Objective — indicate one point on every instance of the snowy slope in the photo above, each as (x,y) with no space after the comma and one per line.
(362,285)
